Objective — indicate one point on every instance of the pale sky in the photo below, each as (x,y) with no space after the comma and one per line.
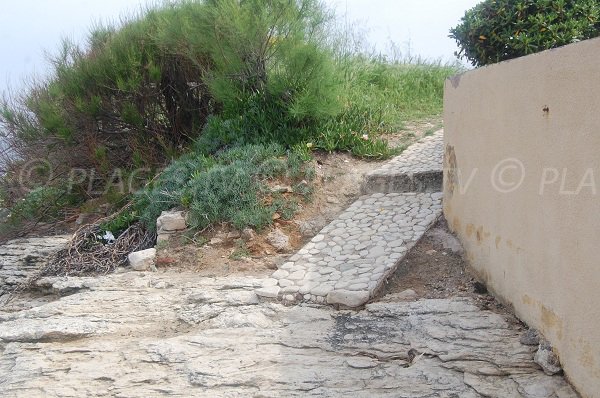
(29,28)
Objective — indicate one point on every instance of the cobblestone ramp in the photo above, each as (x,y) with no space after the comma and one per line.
(348,261)
(418,169)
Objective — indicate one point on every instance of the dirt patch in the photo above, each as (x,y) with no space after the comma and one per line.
(434,269)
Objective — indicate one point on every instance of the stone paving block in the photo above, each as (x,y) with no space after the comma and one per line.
(417,169)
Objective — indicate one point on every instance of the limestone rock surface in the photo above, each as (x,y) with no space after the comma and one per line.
(175,334)
(21,258)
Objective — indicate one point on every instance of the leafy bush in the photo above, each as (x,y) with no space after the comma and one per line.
(272,71)
(497,30)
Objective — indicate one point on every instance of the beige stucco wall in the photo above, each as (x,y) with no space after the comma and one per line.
(522,191)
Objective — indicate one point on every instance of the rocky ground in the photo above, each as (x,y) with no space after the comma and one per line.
(172,333)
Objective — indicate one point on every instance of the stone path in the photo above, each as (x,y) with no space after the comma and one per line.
(417,169)
(350,259)
(174,334)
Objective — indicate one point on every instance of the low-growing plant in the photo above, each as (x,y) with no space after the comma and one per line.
(286,208)
(220,193)
(120,223)
(232,186)
(41,204)
(240,250)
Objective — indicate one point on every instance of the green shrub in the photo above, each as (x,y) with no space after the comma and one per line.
(255,71)
(169,189)
(272,72)
(230,186)
(221,192)
(41,204)
(497,30)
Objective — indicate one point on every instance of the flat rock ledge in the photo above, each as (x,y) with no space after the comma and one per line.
(174,334)
(350,259)
(21,258)
(417,169)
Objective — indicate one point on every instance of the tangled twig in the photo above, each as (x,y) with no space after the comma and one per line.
(86,254)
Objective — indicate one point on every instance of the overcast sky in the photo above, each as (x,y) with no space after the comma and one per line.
(29,28)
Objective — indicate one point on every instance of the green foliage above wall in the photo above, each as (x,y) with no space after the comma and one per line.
(498,30)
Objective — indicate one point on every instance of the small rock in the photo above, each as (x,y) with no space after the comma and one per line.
(161,285)
(162,238)
(279,240)
(268,292)
(530,337)
(310,228)
(142,260)
(280,274)
(233,235)
(348,298)
(321,290)
(269,282)
(407,294)
(296,276)
(431,252)
(215,241)
(547,359)
(248,234)
(285,283)
(361,363)
(282,189)
(170,221)
(332,200)
(290,289)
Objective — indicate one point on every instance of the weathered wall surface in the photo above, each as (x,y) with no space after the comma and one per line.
(522,191)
